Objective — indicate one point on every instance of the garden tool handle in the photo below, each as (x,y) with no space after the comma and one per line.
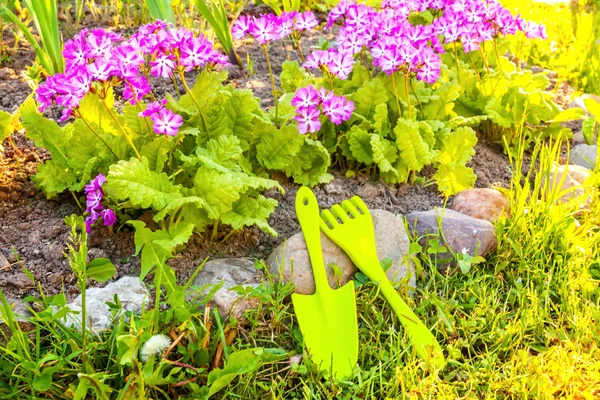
(307,210)
(420,336)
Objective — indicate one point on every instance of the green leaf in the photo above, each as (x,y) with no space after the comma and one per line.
(241,111)
(242,362)
(311,164)
(207,86)
(593,107)
(293,76)
(368,97)
(95,113)
(444,105)
(127,349)
(278,147)
(5,126)
(248,211)
(285,110)
(381,120)
(569,114)
(399,173)
(413,149)
(157,152)
(499,113)
(156,247)
(53,178)
(42,382)
(134,181)
(384,154)
(458,147)
(177,204)
(360,145)
(44,132)
(217,189)
(454,178)
(100,269)
(589,129)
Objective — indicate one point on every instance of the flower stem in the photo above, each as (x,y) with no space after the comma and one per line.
(485,62)
(412,88)
(475,69)
(456,62)
(300,50)
(497,54)
(97,134)
(127,137)
(202,115)
(407,95)
(264,47)
(400,111)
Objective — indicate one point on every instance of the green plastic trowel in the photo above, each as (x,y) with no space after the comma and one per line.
(327,318)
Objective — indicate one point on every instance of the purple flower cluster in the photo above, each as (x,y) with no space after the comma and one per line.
(165,121)
(270,27)
(94,208)
(109,59)
(395,44)
(307,101)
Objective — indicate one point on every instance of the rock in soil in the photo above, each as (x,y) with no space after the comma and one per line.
(484,203)
(228,272)
(132,294)
(570,177)
(461,234)
(291,261)
(585,155)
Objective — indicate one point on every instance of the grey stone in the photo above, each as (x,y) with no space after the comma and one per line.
(132,294)
(462,233)
(231,272)
(585,155)
(578,138)
(290,260)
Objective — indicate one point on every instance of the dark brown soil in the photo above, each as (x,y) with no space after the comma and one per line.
(34,236)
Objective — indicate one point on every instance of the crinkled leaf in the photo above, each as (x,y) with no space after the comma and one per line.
(311,164)
(384,154)
(293,76)
(44,132)
(278,147)
(360,145)
(240,111)
(285,110)
(413,149)
(381,120)
(248,211)
(368,97)
(458,147)
(499,113)
(157,152)
(206,86)
(569,114)
(134,181)
(218,190)
(176,204)
(53,178)
(399,173)
(454,178)
(444,105)
(459,120)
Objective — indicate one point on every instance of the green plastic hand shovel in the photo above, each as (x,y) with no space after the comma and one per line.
(355,234)
(327,318)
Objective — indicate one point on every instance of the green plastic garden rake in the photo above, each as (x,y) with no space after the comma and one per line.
(327,318)
(350,226)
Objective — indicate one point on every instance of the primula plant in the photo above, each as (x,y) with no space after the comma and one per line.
(191,160)
(401,86)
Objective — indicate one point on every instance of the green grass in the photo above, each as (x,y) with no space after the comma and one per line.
(522,325)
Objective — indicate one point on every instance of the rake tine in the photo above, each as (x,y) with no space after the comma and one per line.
(339,212)
(329,219)
(359,204)
(350,208)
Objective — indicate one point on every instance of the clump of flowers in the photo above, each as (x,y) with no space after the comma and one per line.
(94,207)
(310,102)
(97,60)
